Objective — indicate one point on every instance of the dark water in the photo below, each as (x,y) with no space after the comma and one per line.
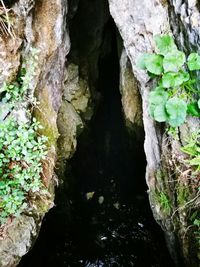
(111,222)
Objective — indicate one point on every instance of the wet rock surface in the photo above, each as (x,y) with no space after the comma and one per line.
(137,32)
(110,222)
(35,25)
(71,90)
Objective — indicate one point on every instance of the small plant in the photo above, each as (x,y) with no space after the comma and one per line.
(21,155)
(174,97)
(22,149)
(192,149)
(195,218)
(164,202)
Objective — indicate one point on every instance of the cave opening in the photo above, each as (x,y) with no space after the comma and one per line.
(106,219)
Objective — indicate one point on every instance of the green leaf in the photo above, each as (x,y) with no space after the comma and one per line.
(198,103)
(193,61)
(173,79)
(195,161)
(165,44)
(173,61)
(196,222)
(190,150)
(157,97)
(176,109)
(140,63)
(160,113)
(154,64)
(193,109)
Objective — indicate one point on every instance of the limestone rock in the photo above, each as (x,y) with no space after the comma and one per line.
(76,89)
(137,23)
(69,123)
(131,98)
(19,236)
(42,25)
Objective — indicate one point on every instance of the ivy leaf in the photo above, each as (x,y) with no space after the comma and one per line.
(165,44)
(173,61)
(154,64)
(157,97)
(177,110)
(193,61)
(193,109)
(141,60)
(173,79)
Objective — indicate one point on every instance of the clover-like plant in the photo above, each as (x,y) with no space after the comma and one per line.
(177,92)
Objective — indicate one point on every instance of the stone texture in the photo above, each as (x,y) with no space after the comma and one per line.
(42,25)
(70,124)
(21,232)
(131,98)
(137,23)
(77,91)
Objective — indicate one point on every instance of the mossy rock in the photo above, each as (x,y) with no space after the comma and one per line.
(47,116)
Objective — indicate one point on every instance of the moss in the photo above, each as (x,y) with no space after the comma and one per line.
(47,116)
(44,204)
(161,199)
(162,177)
(182,194)
(165,203)
(159,175)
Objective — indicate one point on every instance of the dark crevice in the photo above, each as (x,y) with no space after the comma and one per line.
(115,226)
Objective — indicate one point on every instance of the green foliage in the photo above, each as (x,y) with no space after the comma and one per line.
(164,202)
(165,44)
(173,61)
(192,149)
(174,79)
(22,149)
(175,96)
(157,102)
(193,109)
(19,91)
(194,61)
(183,194)
(154,64)
(195,218)
(176,109)
(198,103)
(21,154)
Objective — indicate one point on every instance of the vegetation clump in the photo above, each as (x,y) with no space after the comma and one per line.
(177,92)
(192,149)
(175,97)
(22,149)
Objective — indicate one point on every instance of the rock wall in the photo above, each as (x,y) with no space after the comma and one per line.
(65,89)
(131,99)
(67,96)
(137,23)
(40,25)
